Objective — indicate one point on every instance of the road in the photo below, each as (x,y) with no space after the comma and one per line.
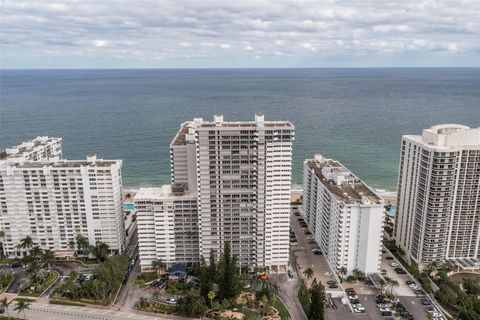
(129,292)
(41,311)
(289,290)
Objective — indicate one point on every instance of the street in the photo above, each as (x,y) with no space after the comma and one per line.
(41,311)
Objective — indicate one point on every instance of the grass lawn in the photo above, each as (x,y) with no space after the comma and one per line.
(147,276)
(282,309)
(66,302)
(251,315)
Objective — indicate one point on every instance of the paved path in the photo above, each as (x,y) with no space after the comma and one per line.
(42,311)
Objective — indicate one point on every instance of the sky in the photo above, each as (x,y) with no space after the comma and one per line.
(239,33)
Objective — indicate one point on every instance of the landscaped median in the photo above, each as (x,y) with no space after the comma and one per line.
(5,280)
(37,283)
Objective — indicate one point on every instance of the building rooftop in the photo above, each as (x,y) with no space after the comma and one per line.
(181,137)
(448,136)
(164,192)
(341,182)
(27,147)
(91,161)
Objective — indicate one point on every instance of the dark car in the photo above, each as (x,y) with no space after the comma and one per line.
(317,252)
(297,213)
(389,257)
(300,220)
(426,302)
(331,282)
(308,232)
(333,286)
(409,282)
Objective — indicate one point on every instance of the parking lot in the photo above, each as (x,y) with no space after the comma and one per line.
(306,258)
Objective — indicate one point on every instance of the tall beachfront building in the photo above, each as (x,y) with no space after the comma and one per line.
(439,194)
(240,175)
(52,199)
(345,216)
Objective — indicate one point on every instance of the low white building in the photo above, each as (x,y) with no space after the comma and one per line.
(345,216)
(53,200)
(167,225)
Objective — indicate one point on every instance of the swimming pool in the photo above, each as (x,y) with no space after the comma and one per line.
(129,206)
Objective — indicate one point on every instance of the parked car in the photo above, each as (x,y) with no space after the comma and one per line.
(316,251)
(171,301)
(333,286)
(328,274)
(308,232)
(290,274)
(389,257)
(385,312)
(426,302)
(297,213)
(409,282)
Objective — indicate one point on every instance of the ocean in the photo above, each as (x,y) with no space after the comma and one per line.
(356,116)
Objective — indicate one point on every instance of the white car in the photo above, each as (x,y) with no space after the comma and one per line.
(394,264)
(171,301)
(359,310)
(353,297)
(328,274)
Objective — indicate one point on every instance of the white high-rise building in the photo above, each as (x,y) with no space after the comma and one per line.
(345,216)
(52,200)
(439,194)
(241,172)
(236,180)
(167,225)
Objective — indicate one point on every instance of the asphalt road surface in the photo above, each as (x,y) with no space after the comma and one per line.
(39,311)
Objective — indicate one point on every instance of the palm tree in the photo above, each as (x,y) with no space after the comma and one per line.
(308,273)
(158,265)
(22,305)
(393,283)
(2,236)
(36,252)
(48,256)
(343,271)
(211,296)
(82,244)
(26,243)
(383,284)
(5,303)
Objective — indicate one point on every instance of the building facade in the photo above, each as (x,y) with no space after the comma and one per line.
(239,174)
(439,194)
(167,225)
(53,200)
(345,216)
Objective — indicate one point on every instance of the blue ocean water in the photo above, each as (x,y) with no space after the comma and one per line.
(356,116)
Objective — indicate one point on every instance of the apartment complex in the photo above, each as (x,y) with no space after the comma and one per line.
(345,216)
(239,173)
(167,225)
(439,194)
(52,199)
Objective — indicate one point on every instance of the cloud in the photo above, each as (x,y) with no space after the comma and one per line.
(173,32)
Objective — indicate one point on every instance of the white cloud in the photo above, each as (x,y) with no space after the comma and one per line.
(100,43)
(192,29)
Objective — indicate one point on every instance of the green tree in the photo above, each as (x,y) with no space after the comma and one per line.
(5,304)
(192,305)
(48,256)
(308,273)
(158,265)
(393,284)
(317,304)
(21,306)
(2,237)
(26,243)
(343,271)
(100,251)
(82,245)
(229,280)
(211,296)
